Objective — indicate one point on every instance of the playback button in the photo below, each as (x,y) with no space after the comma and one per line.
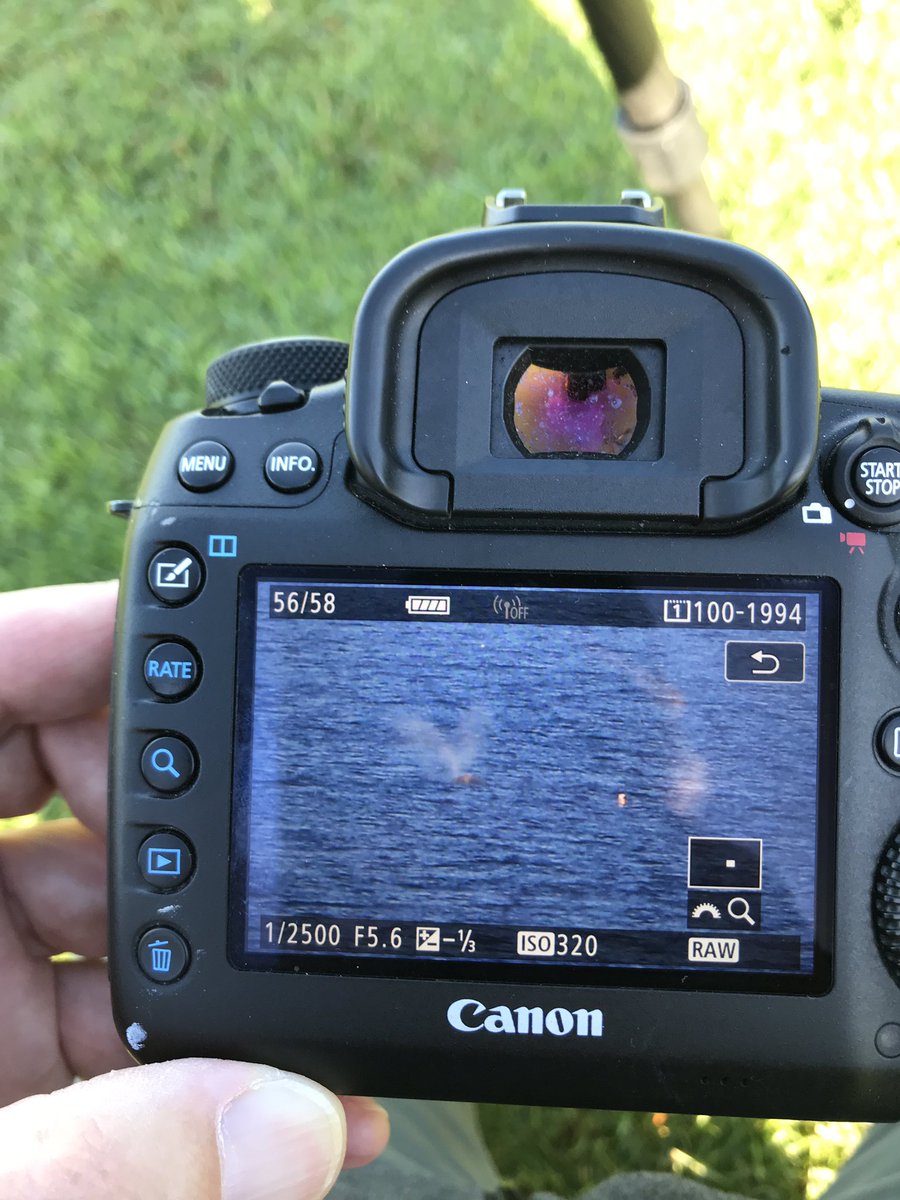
(166,861)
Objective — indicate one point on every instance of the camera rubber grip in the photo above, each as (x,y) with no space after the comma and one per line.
(248,370)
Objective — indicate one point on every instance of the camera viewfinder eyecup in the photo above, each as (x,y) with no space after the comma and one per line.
(724,336)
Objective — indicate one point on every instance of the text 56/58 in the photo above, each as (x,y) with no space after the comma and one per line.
(300,602)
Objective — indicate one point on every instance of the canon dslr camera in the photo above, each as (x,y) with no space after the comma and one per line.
(519,720)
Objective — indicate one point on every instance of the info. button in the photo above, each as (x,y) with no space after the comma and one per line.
(765,662)
(292,467)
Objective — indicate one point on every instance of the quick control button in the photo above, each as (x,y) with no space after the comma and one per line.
(888,741)
(171,670)
(876,476)
(175,575)
(292,467)
(168,764)
(205,466)
(163,955)
(166,861)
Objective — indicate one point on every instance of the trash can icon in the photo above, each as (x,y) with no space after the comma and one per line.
(160,957)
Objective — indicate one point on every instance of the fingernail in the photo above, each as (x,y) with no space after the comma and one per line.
(368,1128)
(280,1140)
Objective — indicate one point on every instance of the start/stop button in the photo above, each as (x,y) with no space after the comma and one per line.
(863,473)
(876,476)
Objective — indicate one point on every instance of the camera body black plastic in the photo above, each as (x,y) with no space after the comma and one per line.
(746,487)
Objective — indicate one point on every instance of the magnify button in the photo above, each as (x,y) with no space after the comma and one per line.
(168,764)
(739,909)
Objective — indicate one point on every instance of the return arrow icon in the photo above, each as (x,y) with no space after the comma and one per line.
(764,663)
(760,657)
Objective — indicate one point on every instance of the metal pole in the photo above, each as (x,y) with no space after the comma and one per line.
(657,120)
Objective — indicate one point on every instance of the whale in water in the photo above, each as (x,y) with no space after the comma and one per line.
(453,751)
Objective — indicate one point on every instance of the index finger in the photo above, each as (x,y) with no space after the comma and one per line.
(57,652)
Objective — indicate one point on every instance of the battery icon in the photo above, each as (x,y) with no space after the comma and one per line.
(428,606)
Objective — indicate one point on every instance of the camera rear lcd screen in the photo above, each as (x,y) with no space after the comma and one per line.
(516,780)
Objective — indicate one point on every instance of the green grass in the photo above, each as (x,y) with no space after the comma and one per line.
(184,176)
(566,1150)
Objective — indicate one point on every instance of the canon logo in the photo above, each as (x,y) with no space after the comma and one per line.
(469,1016)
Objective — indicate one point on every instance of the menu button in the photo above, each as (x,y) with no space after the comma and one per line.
(205,466)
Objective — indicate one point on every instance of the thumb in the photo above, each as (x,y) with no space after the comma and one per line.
(195,1129)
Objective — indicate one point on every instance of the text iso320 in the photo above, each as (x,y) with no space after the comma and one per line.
(545,943)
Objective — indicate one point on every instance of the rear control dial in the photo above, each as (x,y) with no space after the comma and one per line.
(886,905)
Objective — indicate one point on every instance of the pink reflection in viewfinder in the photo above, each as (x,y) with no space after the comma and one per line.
(575,412)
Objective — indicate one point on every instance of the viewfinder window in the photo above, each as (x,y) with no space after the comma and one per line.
(576,401)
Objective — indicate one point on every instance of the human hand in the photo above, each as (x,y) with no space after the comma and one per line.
(196,1128)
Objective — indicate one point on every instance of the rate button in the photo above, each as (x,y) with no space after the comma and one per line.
(171,670)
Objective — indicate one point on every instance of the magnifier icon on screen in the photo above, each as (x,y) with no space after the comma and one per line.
(163,760)
(739,910)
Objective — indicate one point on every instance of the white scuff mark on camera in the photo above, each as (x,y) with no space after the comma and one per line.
(167,909)
(136,1036)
